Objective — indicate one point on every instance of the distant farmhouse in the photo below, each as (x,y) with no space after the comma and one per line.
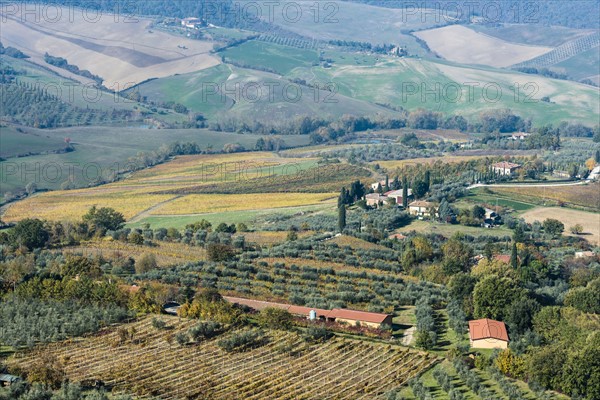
(519,136)
(488,334)
(192,23)
(422,208)
(375,199)
(375,185)
(397,195)
(339,315)
(505,168)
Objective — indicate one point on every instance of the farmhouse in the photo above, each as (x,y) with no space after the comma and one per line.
(397,236)
(375,199)
(352,317)
(193,23)
(375,185)
(519,136)
(505,168)
(339,315)
(421,208)
(397,195)
(488,334)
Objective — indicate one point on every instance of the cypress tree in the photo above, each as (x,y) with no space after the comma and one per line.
(514,259)
(341,217)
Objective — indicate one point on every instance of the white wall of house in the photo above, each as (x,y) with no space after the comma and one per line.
(489,343)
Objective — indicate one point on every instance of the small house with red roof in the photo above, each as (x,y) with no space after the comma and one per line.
(488,334)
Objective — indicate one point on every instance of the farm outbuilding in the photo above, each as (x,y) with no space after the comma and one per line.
(353,317)
(488,334)
(505,168)
(340,315)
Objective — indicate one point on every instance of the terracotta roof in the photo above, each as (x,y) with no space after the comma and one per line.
(398,236)
(301,310)
(487,329)
(260,305)
(506,164)
(357,315)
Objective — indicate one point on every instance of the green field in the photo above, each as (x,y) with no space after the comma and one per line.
(533,34)
(448,230)
(250,217)
(409,83)
(282,59)
(479,196)
(583,65)
(224,92)
(15,143)
(107,148)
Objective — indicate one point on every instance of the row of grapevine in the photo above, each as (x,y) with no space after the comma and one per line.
(145,359)
(288,41)
(564,51)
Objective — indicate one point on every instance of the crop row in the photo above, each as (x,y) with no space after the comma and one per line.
(149,363)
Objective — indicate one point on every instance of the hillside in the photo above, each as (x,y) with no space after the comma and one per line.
(121,51)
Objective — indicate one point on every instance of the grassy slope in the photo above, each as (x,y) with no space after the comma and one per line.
(353,21)
(583,65)
(242,92)
(16,143)
(532,34)
(388,82)
(282,59)
(109,147)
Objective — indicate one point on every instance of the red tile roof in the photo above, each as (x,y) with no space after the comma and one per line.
(487,329)
(260,305)
(357,315)
(304,311)
(506,165)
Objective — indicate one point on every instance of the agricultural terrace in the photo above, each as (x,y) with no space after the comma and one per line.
(150,363)
(161,190)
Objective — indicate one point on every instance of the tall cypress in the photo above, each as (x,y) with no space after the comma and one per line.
(514,258)
(341,217)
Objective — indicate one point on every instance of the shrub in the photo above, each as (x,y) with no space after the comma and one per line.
(275,318)
(242,340)
(316,333)
(205,330)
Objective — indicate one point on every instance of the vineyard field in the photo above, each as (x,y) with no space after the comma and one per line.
(286,367)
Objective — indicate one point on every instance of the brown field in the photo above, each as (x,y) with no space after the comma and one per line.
(589,221)
(587,196)
(166,253)
(152,364)
(120,49)
(463,45)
